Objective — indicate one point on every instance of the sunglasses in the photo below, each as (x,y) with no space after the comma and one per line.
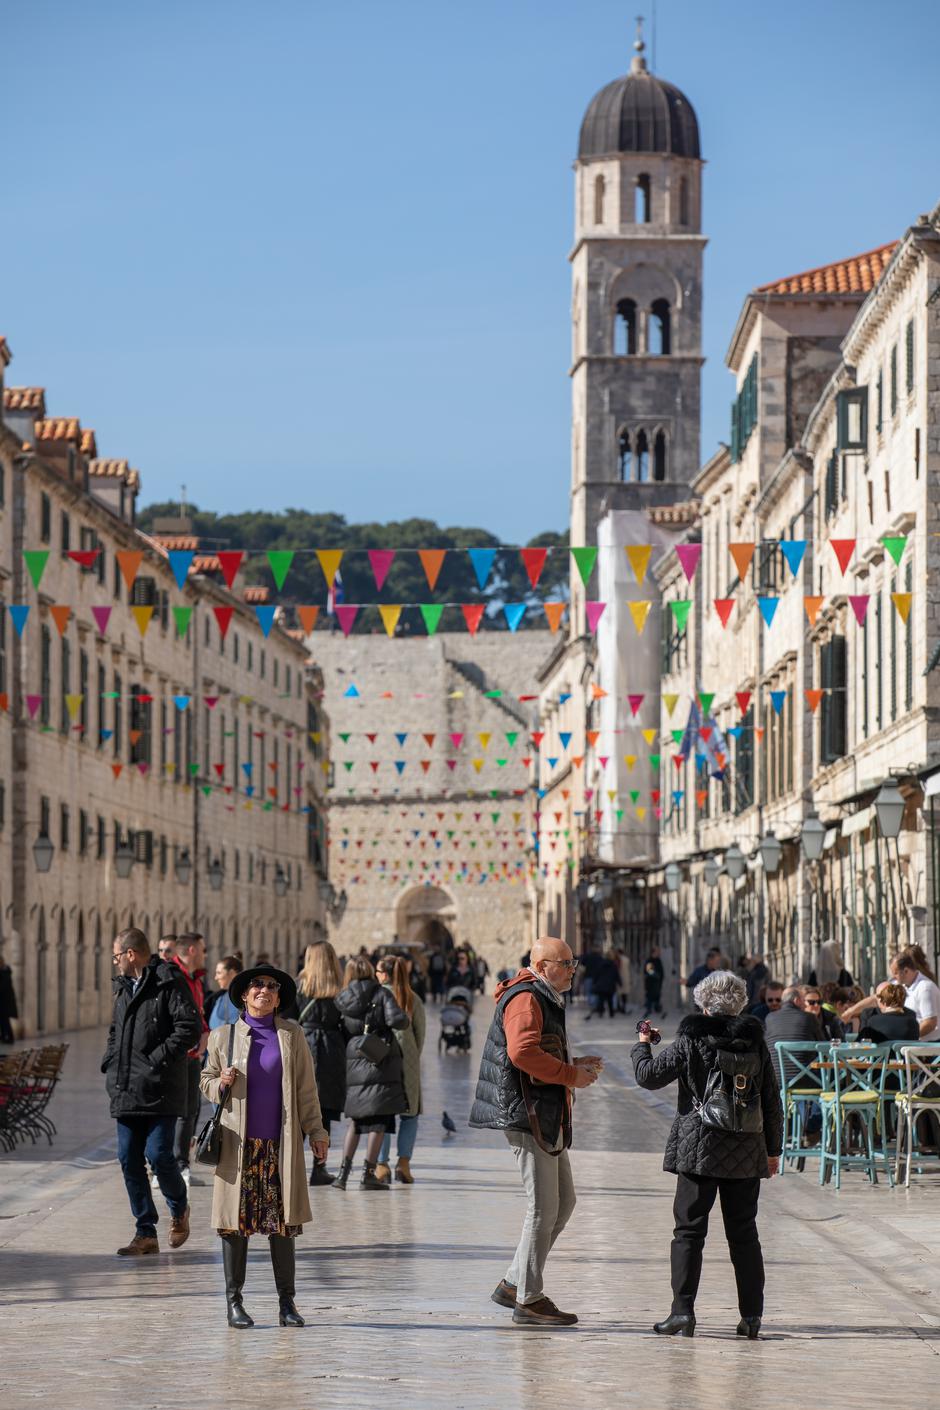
(565,964)
(771,1003)
(813,1003)
(271,984)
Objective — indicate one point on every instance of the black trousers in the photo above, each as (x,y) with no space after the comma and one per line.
(186,1125)
(695,1196)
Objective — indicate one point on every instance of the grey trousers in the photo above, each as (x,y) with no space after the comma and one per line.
(549,1188)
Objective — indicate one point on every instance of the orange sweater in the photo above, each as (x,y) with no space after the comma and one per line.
(522,1024)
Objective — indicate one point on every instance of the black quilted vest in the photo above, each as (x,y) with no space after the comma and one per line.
(499,1102)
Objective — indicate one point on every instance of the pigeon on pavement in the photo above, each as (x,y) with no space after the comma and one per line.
(448,1125)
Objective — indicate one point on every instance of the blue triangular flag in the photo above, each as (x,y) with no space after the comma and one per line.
(266,618)
(551,763)
(181,701)
(400,765)
(565,695)
(768,608)
(565,737)
(401,740)
(247,769)
(678,795)
(106,733)
(181,560)
(250,791)
(350,693)
(19,613)
(515,611)
(793,551)
(777,697)
(482,560)
(735,731)
(541,792)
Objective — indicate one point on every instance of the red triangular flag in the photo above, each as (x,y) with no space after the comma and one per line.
(84,557)
(230,560)
(813,698)
(724,607)
(701,797)
(472,613)
(743,697)
(843,550)
(533,560)
(223,615)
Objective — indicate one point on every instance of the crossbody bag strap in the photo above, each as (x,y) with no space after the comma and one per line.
(305,1010)
(532,1115)
(217,1117)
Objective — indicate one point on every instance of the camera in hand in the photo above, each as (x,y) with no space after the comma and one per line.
(648,1031)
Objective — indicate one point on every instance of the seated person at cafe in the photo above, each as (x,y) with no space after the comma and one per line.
(893,1022)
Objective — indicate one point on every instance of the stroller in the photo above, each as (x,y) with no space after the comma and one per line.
(455,1020)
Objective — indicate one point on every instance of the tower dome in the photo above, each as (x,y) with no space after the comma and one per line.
(639,113)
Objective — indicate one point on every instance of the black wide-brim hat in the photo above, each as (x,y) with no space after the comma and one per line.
(239,985)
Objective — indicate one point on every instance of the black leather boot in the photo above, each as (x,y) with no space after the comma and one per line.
(319,1175)
(749,1327)
(235,1262)
(369,1179)
(282,1261)
(677,1324)
(344,1171)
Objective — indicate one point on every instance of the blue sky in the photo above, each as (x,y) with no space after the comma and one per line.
(314,254)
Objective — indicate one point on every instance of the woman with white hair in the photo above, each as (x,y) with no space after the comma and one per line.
(726,1137)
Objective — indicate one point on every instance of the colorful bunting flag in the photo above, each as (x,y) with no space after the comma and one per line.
(811,606)
(223,615)
(84,557)
(482,561)
(346,614)
(515,611)
(635,701)
(181,560)
(813,698)
(639,611)
(670,701)
(688,555)
(777,697)
(585,558)
(768,609)
(902,604)
(859,605)
(843,550)
(743,697)
(472,615)
(705,700)
(895,545)
(554,611)
(60,615)
(742,553)
(129,561)
(793,551)
(724,607)
(329,560)
(36,560)
(19,611)
(594,611)
(390,615)
(143,615)
(265,615)
(380,561)
(638,556)
(308,618)
(432,560)
(181,619)
(280,560)
(533,560)
(681,607)
(431,612)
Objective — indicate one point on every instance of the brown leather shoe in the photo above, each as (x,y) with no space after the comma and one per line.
(139,1245)
(179,1229)
(542,1313)
(504,1295)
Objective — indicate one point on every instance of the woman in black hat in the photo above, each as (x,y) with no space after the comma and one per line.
(260,1184)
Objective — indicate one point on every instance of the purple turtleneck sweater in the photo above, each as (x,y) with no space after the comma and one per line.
(265,1100)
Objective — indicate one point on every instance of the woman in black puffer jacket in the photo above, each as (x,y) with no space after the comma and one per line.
(710,1162)
(375,1093)
(319,982)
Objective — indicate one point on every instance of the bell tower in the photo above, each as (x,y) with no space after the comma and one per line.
(636,304)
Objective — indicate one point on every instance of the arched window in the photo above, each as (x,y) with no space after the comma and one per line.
(600,188)
(624,456)
(641,201)
(642,458)
(625,328)
(62,966)
(661,328)
(684,201)
(659,456)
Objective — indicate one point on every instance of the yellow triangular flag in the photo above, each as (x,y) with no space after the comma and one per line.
(484,740)
(73,703)
(390,616)
(142,616)
(629,760)
(902,604)
(670,702)
(638,556)
(639,611)
(641,813)
(169,767)
(329,559)
(611,794)
(478,764)
(650,736)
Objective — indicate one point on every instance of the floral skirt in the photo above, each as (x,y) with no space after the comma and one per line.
(261,1205)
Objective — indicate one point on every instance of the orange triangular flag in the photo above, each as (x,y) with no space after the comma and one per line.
(308,617)
(554,611)
(142,617)
(638,556)
(701,796)
(592,736)
(60,615)
(742,553)
(813,698)
(432,560)
(639,611)
(901,600)
(812,606)
(760,735)
(843,550)
(329,560)
(129,561)
(134,736)
(597,692)
(390,616)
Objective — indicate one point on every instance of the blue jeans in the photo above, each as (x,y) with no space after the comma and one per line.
(405,1140)
(150,1138)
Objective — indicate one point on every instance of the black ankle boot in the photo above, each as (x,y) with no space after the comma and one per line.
(749,1327)
(283,1263)
(677,1324)
(369,1180)
(235,1262)
(319,1175)
(344,1170)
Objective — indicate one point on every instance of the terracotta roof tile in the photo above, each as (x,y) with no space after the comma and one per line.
(89,444)
(257,595)
(183,542)
(857,275)
(133,479)
(114,469)
(206,563)
(59,428)
(25,399)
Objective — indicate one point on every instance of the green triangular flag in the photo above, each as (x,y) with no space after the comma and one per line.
(705,700)
(677,735)
(207,789)
(181,616)
(511,737)
(585,559)
(654,762)
(193,769)
(634,794)
(347,764)
(36,560)
(619,814)
(680,611)
(344,738)
(431,612)
(895,544)
(280,560)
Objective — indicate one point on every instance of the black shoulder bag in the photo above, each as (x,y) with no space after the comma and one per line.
(209,1140)
(732,1098)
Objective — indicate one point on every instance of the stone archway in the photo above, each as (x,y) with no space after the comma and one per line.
(427,914)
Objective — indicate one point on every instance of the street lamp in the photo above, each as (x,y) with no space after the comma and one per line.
(216,875)
(183,866)
(43,852)
(771,852)
(280,881)
(813,837)
(735,862)
(712,872)
(339,906)
(124,859)
(673,876)
(889,809)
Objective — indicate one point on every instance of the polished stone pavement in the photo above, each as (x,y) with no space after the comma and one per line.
(396,1286)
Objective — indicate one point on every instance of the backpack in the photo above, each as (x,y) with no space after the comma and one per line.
(732,1100)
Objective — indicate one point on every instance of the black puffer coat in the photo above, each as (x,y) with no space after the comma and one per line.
(151,1033)
(326,1036)
(372,1091)
(695,1149)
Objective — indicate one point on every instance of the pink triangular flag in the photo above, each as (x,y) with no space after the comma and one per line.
(346,615)
(859,605)
(593,612)
(635,702)
(102,616)
(688,555)
(380,560)
(33,703)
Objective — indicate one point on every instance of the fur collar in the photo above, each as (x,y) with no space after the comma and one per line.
(720,1029)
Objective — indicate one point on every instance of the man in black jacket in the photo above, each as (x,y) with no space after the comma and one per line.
(154,1024)
(792,1023)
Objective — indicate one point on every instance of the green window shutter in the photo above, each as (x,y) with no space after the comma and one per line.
(909,355)
(894,380)
(909,646)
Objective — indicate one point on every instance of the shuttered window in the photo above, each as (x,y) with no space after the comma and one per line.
(832,679)
(909,356)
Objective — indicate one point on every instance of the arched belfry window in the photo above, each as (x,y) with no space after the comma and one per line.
(684,201)
(642,457)
(641,201)
(660,328)
(659,456)
(600,188)
(625,458)
(625,328)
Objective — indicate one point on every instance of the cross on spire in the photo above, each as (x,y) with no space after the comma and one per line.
(639,46)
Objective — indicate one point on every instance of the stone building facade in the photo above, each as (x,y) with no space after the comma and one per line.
(428,810)
(196,753)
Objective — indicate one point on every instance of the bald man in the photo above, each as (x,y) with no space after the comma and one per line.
(524,1089)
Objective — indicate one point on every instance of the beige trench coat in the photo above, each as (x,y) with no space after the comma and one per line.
(301,1117)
